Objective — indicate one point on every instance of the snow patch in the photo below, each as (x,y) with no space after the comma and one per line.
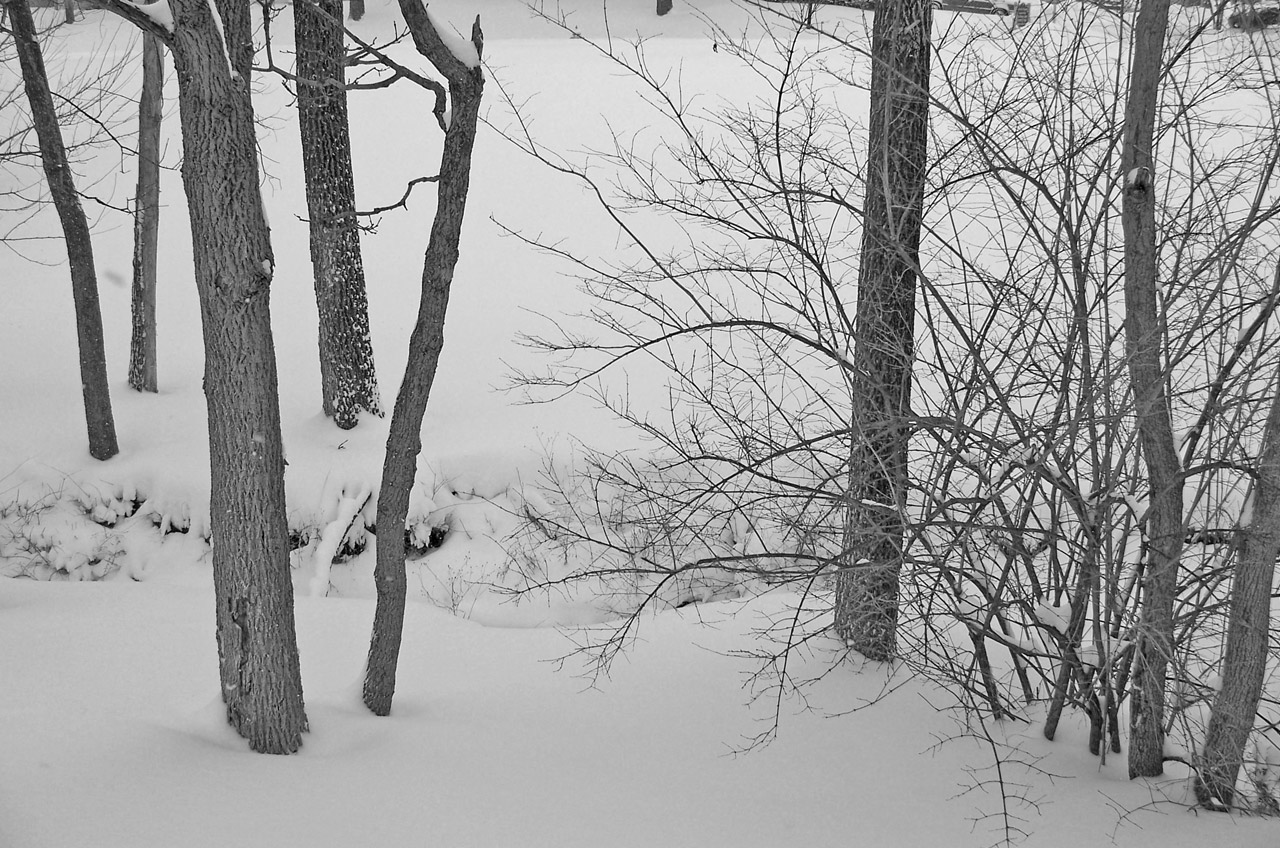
(1057,616)
(348,510)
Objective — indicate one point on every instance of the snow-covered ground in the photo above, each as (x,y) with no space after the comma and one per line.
(111,731)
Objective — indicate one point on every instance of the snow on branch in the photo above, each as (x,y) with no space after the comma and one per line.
(160,12)
(454,57)
(462,49)
(155,18)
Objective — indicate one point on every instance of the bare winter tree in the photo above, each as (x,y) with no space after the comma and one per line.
(212,51)
(458,61)
(1244,659)
(1144,334)
(146,220)
(75,227)
(348,380)
(866,606)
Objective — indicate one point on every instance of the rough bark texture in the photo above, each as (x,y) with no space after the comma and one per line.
(146,218)
(466,85)
(1244,662)
(257,648)
(1143,336)
(348,380)
(75,229)
(866,611)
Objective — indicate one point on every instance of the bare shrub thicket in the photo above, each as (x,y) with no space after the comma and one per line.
(1025,546)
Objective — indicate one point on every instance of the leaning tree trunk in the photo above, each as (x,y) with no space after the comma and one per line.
(348,381)
(75,228)
(404,442)
(866,607)
(1244,662)
(253,591)
(1143,335)
(146,218)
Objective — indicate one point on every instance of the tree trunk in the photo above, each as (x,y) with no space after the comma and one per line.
(357,9)
(1244,662)
(257,648)
(866,606)
(75,229)
(348,380)
(1143,335)
(146,218)
(664,6)
(466,86)
(69,11)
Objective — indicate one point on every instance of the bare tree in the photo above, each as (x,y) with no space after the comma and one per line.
(75,228)
(1244,660)
(866,606)
(404,442)
(1144,337)
(146,220)
(348,380)
(257,648)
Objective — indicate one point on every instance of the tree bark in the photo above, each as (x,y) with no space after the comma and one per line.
(1143,337)
(1244,662)
(146,218)
(348,379)
(866,605)
(257,648)
(404,442)
(75,228)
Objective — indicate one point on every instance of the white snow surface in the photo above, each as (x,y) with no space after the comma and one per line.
(112,733)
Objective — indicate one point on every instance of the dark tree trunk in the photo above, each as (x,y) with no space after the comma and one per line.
(664,6)
(146,218)
(1143,337)
(348,381)
(257,648)
(1244,662)
(866,606)
(466,85)
(357,9)
(69,11)
(75,229)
